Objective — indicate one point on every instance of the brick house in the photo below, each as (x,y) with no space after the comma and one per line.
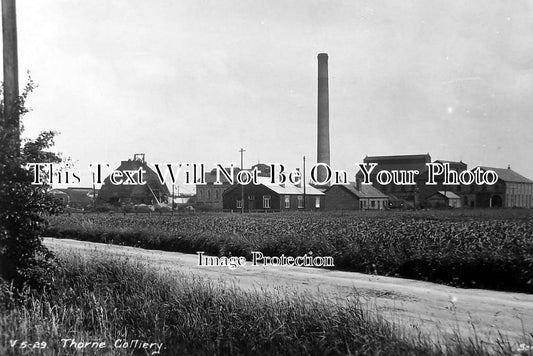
(210,194)
(355,196)
(273,197)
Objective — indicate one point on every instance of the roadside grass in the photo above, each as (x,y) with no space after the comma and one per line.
(97,297)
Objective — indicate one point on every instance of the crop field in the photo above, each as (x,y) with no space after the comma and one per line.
(491,249)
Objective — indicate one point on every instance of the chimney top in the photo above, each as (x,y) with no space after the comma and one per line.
(322,55)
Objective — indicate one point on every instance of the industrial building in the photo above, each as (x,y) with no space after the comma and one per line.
(210,194)
(355,196)
(405,193)
(466,194)
(151,193)
(272,197)
(75,197)
(512,190)
(443,199)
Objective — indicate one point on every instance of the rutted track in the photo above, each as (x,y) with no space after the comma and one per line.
(430,308)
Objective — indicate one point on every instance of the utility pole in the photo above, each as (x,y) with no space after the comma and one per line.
(242,150)
(10,124)
(172,200)
(94,193)
(304,183)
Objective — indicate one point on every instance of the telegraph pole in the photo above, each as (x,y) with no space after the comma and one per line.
(172,200)
(10,124)
(242,150)
(94,193)
(304,183)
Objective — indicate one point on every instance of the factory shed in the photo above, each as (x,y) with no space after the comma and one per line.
(355,196)
(153,192)
(444,199)
(512,190)
(397,162)
(272,197)
(75,197)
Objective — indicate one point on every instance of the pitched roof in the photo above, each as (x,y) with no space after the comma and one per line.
(508,175)
(449,195)
(366,191)
(76,194)
(286,189)
(398,157)
(211,177)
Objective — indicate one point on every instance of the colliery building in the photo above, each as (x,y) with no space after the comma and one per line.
(436,196)
(266,196)
(210,194)
(511,190)
(355,196)
(407,193)
(153,192)
(75,197)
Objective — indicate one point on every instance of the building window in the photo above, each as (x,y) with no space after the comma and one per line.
(216,194)
(317,202)
(251,197)
(300,202)
(287,202)
(209,194)
(266,201)
(372,203)
(201,193)
(239,204)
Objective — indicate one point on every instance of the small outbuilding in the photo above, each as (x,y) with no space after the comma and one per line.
(75,197)
(355,196)
(444,199)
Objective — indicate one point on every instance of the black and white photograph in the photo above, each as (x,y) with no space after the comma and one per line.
(252,177)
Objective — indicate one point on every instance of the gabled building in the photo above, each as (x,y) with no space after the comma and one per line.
(355,196)
(272,197)
(443,199)
(512,190)
(210,194)
(153,192)
(465,193)
(397,162)
(75,197)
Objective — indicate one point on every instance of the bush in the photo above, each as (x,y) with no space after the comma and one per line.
(22,205)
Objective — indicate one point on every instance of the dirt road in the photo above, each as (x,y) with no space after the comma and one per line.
(420,306)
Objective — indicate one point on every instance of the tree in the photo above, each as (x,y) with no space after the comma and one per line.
(23,206)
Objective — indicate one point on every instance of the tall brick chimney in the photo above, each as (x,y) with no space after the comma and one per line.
(323,115)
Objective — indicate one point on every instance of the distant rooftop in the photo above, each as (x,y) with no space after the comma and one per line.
(398,157)
(508,175)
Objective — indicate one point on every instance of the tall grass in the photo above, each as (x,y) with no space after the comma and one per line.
(101,298)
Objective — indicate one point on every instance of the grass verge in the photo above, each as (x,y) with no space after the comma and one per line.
(104,299)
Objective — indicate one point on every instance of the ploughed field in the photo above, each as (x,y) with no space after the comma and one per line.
(491,249)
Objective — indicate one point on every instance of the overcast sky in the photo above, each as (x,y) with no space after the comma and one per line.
(196,80)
